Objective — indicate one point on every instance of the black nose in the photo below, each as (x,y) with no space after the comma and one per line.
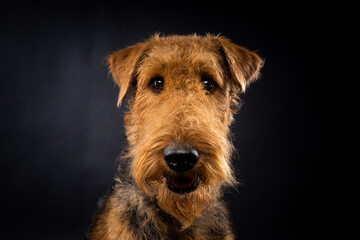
(181,159)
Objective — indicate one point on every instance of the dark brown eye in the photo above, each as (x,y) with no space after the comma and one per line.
(209,84)
(157,84)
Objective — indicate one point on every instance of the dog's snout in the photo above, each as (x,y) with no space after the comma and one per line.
(181,159)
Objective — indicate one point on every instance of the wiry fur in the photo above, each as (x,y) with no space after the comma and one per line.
(141,206)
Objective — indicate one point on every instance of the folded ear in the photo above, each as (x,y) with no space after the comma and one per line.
(123,65)
(244,65)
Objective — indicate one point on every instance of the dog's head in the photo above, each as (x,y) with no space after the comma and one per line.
(185,94)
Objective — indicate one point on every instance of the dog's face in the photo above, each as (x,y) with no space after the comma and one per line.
(185,92)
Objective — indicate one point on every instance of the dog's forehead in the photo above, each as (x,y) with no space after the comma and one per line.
(186,55)
(183,48)
(185,43)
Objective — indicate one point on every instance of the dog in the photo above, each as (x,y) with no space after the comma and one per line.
(183,94)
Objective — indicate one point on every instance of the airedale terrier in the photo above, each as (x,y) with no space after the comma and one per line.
(184,92)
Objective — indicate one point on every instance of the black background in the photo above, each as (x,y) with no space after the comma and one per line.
(61,131)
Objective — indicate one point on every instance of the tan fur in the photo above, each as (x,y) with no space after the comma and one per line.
(183,114)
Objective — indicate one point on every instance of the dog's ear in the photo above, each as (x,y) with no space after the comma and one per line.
(123,65)
(243,64)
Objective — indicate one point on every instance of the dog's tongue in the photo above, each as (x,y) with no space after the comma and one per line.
(182,182)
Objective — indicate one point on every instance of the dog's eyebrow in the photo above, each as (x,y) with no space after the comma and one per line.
(210,65)
(215,74)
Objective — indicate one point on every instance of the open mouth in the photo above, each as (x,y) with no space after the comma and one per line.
(181,184)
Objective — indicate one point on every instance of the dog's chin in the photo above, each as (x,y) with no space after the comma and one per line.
(182,184)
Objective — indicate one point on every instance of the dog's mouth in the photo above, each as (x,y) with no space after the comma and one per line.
(182,184)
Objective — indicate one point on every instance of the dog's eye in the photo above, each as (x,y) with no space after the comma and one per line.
(157,84)
(209,84)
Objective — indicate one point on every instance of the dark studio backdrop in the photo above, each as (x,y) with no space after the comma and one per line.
(61,130)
